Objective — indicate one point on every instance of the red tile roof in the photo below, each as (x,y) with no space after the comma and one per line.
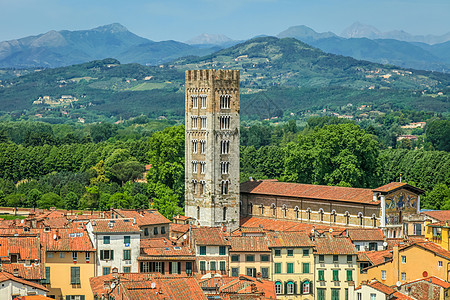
(33,297)
(366,234)
(249,244)
(246,287)
(392,186)
(441,215)
(433,279)
(377,257)
(114,225)
(4,276)
(32,272)
(339,245)
(26,246)
(180,228)
(309,191)
(381,287)
(289,239)
(67,240)
(209,236)
(438,250)
(143,216)
(163,249)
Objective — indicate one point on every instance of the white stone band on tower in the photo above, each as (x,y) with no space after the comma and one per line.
(212,123)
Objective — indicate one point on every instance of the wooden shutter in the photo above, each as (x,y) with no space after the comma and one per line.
(285,287)
(179,267)
(170,267)
(111,254)
(72,275)
(311,287)
(101,254)
(295,287)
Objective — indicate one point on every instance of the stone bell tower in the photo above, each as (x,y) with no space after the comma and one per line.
(212,147)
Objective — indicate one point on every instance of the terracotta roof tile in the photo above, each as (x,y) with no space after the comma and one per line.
(26,246)
(4,276)
(366,234)
(114,225)
(249,244)
(143,216)
(309,191)
(32,272)
(441,215)
(433,279)
(289,239)
(209,236)
(381,287)
(377,257)
(67,240)
(392,186)
(339,245)
(180,228)
(162,248)
(248,286)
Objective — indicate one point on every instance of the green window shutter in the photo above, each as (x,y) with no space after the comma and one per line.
(47,275)
(277,268)
(311,287)
(202,250)
(202,266)
(290,268)
(321,275)
(126,239)
(349,275)
(101,255)
(222,266)
(285,287)
(222,250)
(335,275)
(112,254)
(82,297)
(295,288)
(212,265)
(170,267)
(67,297)
(305,268)
(179,266)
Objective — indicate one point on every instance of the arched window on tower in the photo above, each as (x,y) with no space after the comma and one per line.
(321,213)
(333,216)
(261,209)
(347,218)
(284,210)
(297,212)
(274,209)
(224,213)
(361,219)
(308,212)
(198,212)
(374,221)
(250,208)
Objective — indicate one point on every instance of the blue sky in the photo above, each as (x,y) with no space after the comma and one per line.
(238,19)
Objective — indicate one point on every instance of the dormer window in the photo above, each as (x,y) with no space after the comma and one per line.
(26,229)
(47,229)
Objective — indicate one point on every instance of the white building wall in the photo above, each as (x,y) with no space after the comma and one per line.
(10,287)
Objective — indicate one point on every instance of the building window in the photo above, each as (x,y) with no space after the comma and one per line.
(290,288)
(373,296)
(212,265)
(194,186)
(277,252)
(87,256)
(222,250)
(202,265)
(335,275)
(308,211)
(225,101)
(250,208)
(202,167)
(225,122)
(277,268)
(321,275)
(106,254)
(359,296)
(305,268)
(335,294)
(373,247)
(194,101)
(349,275)
(127,254)
(403,276)
(127,269)
(235,272)
(265,272)
(361,219)
(333,216)
(321,258)
(106,240)
(203,97)
(274,210)
(106,270)
(306,287)
(224,167)
(155,230)
(265,257)
(440,263)
(320,294)
(163,230)
(127,240)
(289,268)
(235,258)
(194,166)
(383,275)
(203,146)
(146,231)
(250,258)
(50,254)
(224,147)
(203,122)
(224,187)
(417,229)
(347,218)
(278,287)
(261,209)
(251,272)
(290,252)
(336,259)
(194,146)
(75,275)
(74,256)
(349,259)
(194,122)
(222,265)
(202,250)
(47,276)
(61,255)
(297,212)
(321,213)
(305,252)
(403,259)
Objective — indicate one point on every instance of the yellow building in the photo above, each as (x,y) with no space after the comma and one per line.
(410,263)
(336,267)
(438,233)
(69,263)
(250,255)
(292,265)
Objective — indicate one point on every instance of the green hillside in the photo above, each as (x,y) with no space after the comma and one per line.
(282,75)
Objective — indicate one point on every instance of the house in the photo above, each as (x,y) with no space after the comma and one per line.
(336,266)
(211,249)
(375,290)
(69,263)
(164,256)
(427,288)
(151,223)
(117,242)
(292,267)
(12,287)
(250,255)
(368,239)
(409,262)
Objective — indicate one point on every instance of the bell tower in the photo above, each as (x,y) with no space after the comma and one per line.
(212,123)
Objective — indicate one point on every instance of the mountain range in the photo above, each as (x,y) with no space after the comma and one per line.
(360,41)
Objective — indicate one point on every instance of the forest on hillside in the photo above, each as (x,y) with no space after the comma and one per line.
(96,166)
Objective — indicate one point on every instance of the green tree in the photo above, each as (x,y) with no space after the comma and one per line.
(32,198)
(71,201)
(438,133)
(2,198)
(90,199)
(50,200)
(166,201)
(120,200)
(15,200)
(100,172)
(127,171)
(438,198)
(140,201)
